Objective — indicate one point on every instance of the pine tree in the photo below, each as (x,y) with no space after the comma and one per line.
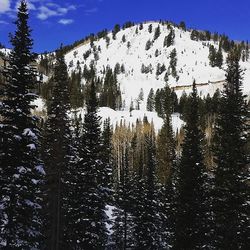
(151,101)
(219,58)
(90,231)
(57,156)
(157,32)
(212,56)
(138,206)
(231,188)
(190,225)
(147,217)
(21,170)
(167,174)
(165,150)
(173,63)
(122,228)
(107,159)
(169,40)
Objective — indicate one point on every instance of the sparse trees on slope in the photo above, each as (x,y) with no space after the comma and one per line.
(231,188)
(21,171)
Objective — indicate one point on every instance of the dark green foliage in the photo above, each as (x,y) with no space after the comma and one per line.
(151,101)
(169,39)
(21,170)
(90,194)
(147,233)
(76,90)
(116,29)
(190,231)
(173,63)
(150,28)
(225,43)
(194,35)
(128,25)
(219,58)
(57,153)
(107,157)
(148,45)
(231,188)
(160,69)
(212,55)
(165,101)
(123,38)
(123,224)
(157,32)
(110,95)
(215,57)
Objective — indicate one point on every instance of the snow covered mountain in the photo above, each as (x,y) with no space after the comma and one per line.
(129,49)
(144,61)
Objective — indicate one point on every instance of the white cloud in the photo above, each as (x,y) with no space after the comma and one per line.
(4,5)
(52,9)
(66,21)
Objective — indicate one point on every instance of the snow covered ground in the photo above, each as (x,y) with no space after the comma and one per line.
(192,61)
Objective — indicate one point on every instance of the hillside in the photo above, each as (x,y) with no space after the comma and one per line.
(129,49)
(140,54)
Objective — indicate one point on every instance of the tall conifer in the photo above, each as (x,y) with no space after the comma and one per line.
(21,171)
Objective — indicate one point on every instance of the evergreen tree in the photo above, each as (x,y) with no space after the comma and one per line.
(57,156)
(190,230)
(151,101)
(122,228)
(173,63)
(21,171)
(231,188)
(212,56)
(148,45)
(157,32)
(219,58)
(150,28)
(107,158)
(116,29)
(90,230)
(147,221)
(165,150)
(169,40)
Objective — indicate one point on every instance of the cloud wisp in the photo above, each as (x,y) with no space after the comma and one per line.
(65,21)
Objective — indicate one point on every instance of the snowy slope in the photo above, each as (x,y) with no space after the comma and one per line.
(192,61)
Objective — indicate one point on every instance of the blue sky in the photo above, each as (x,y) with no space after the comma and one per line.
(64,21)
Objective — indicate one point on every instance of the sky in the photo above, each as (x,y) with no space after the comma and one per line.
(56,22)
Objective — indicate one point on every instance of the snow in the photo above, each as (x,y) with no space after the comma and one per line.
(40,169)
(130,118)
(5,51)
(29,132)
(39,103)
(192,63)
(109,212)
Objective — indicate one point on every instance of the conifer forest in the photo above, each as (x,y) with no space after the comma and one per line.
(102,169)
